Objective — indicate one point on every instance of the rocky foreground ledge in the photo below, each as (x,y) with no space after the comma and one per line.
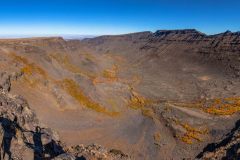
(24,137)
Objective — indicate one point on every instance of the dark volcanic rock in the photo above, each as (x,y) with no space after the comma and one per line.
(179,35)
(5,83)
(226,149)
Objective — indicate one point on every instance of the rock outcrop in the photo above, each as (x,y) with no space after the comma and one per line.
(226,149)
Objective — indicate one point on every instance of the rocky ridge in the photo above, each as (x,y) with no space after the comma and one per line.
(222,48)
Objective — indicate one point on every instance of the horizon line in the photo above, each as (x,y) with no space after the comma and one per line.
(78,35)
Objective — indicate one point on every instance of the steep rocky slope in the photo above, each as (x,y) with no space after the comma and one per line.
(162,95)
(227,148)
(24,137)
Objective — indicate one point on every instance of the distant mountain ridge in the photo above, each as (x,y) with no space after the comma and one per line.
(177,31)
(65,36)
(210,46)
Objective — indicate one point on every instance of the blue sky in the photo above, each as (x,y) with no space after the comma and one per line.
(96,17)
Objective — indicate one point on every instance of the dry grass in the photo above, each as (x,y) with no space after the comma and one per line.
(136,101)
(139,102)
(191,133)
(108,76)
(32,72)
(29,68)
(148,112)
(73,89)
(225,106)
(217,106)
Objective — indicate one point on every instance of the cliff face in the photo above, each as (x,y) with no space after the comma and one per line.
(162,95)
(222,49)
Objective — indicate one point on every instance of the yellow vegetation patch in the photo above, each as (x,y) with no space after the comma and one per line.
(139,102)
(29,68)
(148,112)
(74,90)
(217,106)
(191,133)
(225,106)
(111,75)
(108,75)
(33,69)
